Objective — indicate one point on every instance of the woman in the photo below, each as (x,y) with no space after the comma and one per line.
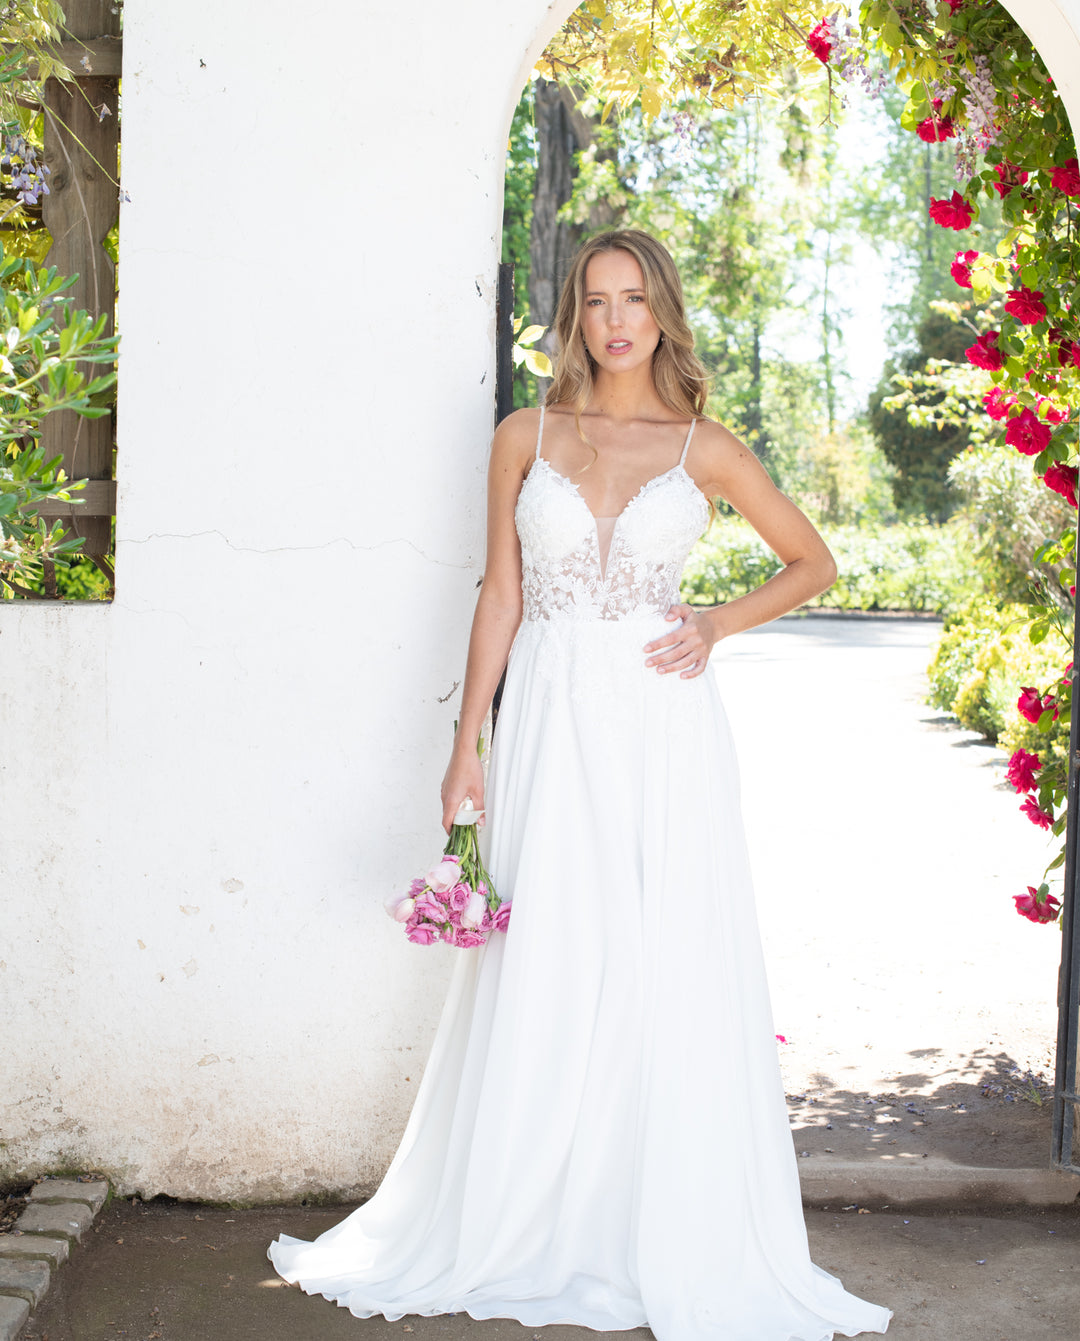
(601,1135)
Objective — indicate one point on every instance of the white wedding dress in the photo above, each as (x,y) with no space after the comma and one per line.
(601,1135)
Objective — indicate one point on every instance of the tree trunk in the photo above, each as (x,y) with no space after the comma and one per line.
(562,133)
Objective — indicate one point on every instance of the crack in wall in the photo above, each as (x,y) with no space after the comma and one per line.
(293,549)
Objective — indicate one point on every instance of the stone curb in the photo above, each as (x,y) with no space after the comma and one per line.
(932,1182)
(59,1212)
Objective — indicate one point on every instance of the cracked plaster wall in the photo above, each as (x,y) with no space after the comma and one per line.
(209,786)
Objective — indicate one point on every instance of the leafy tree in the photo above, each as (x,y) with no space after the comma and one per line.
(921,452)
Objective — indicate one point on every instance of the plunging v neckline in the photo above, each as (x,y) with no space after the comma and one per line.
(602,558)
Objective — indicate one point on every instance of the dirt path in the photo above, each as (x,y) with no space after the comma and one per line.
(886,848)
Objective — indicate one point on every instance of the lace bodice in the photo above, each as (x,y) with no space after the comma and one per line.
(563,571)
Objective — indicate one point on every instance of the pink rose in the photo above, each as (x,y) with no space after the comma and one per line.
(961,267)
(952,213)
(472,915)
(998,404)
(1042,818)
(404,910)
(1009,177)
(1026,305)
(1023,765)
(458,897)
(422,935)
(1062,479)
(1029,905)
(984,353)
(1066,178)
(1027,432)
(1051,413)
(468,940)
(501,920)
(445,874)
(935,128)
(1029,705)
(820,41)
(429,907)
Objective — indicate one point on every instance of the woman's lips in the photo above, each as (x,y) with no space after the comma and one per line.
(618,346)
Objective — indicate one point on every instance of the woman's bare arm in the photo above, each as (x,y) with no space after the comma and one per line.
(498,608)
(725,467)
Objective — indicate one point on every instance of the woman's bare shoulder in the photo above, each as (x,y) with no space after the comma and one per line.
(514,442)
(718,457)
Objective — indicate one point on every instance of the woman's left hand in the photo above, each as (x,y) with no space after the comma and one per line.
(685,649)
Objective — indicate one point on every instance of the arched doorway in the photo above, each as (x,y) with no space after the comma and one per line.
(1057,40)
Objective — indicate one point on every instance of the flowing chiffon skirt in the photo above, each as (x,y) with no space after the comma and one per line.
(601,1135)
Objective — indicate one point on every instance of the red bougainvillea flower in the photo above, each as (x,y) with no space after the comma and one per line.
(1066,178)
(936,128)
(820,41)
(1009,176)
(952,213)
(1027,432)
(1026,305)
(998,404)
(1023,765)
(961,267)
(1029,705)
(1028,905)
(1030,807)
(984,353)
(1062,479)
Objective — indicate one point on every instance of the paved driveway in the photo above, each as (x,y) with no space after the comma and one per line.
(886,848)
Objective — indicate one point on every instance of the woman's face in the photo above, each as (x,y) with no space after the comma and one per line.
(618,327)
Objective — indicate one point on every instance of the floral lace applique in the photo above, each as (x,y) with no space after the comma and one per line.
(560,550)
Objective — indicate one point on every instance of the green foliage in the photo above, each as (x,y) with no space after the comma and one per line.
(919,447)
(983,659)
(1006,514)
(44,347)
(908,566)
(655,52)
(518,192)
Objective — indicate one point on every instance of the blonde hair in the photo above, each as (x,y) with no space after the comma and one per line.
(678,374)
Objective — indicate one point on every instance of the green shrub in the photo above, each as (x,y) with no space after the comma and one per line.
(906,566)
(982,661)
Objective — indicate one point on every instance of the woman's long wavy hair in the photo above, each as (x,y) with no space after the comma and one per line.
(678,374)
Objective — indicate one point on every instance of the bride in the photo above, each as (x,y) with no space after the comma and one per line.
(601,1135)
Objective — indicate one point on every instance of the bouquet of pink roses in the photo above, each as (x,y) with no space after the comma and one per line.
(456,901)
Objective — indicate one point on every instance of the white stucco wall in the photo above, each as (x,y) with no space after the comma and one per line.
(207,788)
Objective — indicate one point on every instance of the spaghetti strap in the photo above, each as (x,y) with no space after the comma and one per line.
(540,433)
(686,444)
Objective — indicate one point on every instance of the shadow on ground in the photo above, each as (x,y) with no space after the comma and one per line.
(993,1116)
